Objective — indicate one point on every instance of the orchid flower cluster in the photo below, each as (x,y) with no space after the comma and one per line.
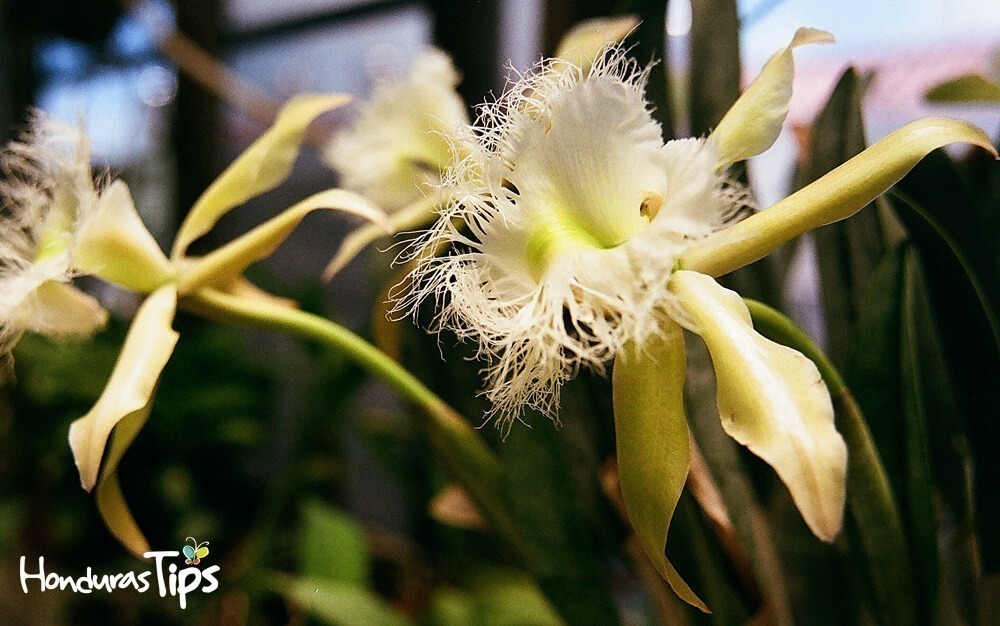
(562,233)
(59,225)
(576,237)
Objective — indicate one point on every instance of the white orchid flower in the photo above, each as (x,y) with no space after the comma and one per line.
(405,136)
(48,192)
(578,236)
(397,146)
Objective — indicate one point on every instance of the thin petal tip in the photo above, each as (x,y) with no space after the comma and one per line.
(807,34)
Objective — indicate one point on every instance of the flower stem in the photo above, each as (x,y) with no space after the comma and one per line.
(466,456)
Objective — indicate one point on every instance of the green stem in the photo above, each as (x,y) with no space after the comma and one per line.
(469,460)
(869,493)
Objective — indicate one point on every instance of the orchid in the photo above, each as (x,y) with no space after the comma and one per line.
(578,237)
(58,227)
(401,139)
(48,193)
(396,148)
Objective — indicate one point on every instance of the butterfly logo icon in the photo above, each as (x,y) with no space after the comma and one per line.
(195,552)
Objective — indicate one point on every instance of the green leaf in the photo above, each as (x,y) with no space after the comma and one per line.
(651,39)
(332,546)
(885,373)
(653,443)
(922,514)
(966,89)
(543,500)
(340,604)
(947,220)
(847,251)
(703,556)
(715,62)
(493,598)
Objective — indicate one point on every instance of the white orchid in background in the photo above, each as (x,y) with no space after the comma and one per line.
(577,237)
(48,193)
(405,136)
(57,226)
(397,146)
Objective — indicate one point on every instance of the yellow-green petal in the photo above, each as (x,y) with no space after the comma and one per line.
(771,399)
(60,310)
(148,346)
(263,166)
(835,196)
(415,215)
(115,245)
(586,40)
(654,447)
(117,516)
(754,121)
(223,265)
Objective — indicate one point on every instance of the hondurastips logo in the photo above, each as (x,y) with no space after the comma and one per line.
(169,578)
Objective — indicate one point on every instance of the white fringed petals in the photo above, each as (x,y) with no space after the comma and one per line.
(47,191)
(397,143)
(571,212)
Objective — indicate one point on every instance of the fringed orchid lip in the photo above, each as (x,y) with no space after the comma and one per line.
(48,192)
(571,212)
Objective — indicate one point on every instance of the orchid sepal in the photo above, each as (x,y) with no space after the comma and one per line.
(835,196)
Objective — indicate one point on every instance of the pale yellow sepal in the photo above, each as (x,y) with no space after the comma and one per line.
(771,399)
(837,195)
(754,122)
(226,263)
(415,215)
(147,348)
(585,41)
(263,165)
(117,516)
(115,245)
(654,446)
(60,310)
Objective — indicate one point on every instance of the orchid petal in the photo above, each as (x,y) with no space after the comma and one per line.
(115,245)
(754,121)
(415,215)
(654,447)
(229,261)
(263,166)
(836,196)
(587,40)
(771,399)
(147,348)
(60,310)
